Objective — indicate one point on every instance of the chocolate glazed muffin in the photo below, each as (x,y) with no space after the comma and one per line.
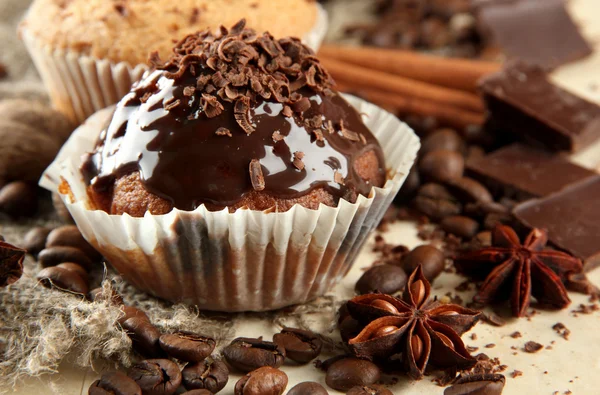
(236,120)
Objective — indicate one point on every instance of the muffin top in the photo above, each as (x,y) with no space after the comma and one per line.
(127,30)
(230,120)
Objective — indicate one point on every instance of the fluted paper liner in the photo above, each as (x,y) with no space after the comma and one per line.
(80,85)
(246,260)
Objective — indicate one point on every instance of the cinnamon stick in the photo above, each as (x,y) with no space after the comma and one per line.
(373,79)
(453,73)
(447,115)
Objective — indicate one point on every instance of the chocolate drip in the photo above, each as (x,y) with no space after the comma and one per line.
(186,157)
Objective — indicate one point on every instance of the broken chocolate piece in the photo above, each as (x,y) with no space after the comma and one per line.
(572,218)
(522,100)
(256,175)
(525,172)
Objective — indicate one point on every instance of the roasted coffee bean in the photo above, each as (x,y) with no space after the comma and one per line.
(76,268)
(431,259)
(369,390)
(410,187)
(197,392)
(115,383)
(54,255)
(262,381)
(70,236)
(351,372)
(481,210)
(187,346)
(35,240)
(144,336)
(386,279)
(62,278)
(308,388)
(436,202)
(156,376)
(209,374)
(129,312)
(442,139)
(98,295)
(300,346)
(468,190)
(460,226)
(248,354)
(442,165)
(477,384)
(19,199)
(493,219)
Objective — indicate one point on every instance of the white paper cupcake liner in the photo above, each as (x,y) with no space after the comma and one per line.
(242,261)
(80,85)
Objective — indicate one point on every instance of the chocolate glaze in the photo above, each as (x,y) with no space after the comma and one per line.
(181,159)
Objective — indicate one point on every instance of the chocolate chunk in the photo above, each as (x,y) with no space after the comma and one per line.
(223,132)
(572,218)
(524,172)
(256,175)
(298,160)
(539,32)
(522,100)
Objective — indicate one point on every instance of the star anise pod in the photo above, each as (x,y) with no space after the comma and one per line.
(515,271)
(426,333)
(11,263)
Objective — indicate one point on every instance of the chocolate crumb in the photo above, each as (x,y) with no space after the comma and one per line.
(287,111)
(337,177)
(195,16)
(473,336)
(516,335)
(532,347)
(223,132)
(256,175)
(472,348)
(189,91)
(516,373)
(277,136)
(121,9)
(562,330)
(491,345)
(493,319)
(297,162)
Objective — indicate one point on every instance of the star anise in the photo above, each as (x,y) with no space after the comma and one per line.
(11,263)
(515,271)
(425,332)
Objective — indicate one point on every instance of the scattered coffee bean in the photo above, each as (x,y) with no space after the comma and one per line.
(97,295)
(70,236)
(156,376)
(187,346)
(436,202)
(468,190)
(386,279)
(262,381)
(308,388)
(351,372)
(442,165)
(369,390)
(431,259)
(460,226)
(489,384)
(129,312)
(35,240)
(115,383)
(144,336)
(300,346)
(197,392)
(77,269)
(248,354)
(442,139)
(62,278)
(54,255)
(481,209)
(209,374)
(19,199)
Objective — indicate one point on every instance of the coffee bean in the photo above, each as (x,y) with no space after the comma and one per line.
(70,236)
(19,199)
(300,346)
(262,381)
(369,390)
(468,190)
(35,240)
(436,202)
(129,312)
(431,259)
(482,209)
(144,336)
(489,384)
(187,346)
(197,392)
(460,226)
(156,376)
(351,372)
(386,279)
(493,219)
(410,187)
(247,354)
(442,139)
(62,278)
(308,388)
(209,374)
(98,295)
(115,383)
(54,255)
(442,165)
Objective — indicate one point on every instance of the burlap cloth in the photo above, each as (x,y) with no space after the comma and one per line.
(40,327)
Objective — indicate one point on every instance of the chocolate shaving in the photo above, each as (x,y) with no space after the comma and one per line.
(301,105)
(318,134)
(350,135)
(189,91)
(338,178)
(277,136)
(562,330)
(241,111)
(362,139)
(172,104)
(223,132)
(287,111)
(212,107)
(297,162)
(256,175)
